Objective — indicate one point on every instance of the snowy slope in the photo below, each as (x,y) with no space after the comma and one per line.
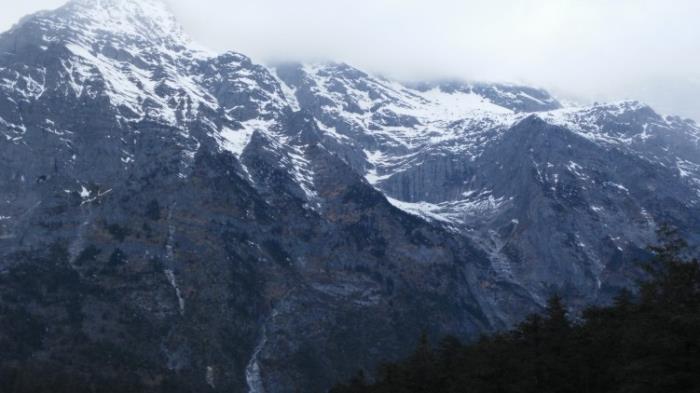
(295,196)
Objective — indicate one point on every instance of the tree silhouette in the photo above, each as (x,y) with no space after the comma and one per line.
(647,341)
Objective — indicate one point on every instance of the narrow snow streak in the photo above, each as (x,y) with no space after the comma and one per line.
(253,374)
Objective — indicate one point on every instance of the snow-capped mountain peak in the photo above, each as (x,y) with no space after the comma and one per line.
(133,52)
(211,201)
(147,18)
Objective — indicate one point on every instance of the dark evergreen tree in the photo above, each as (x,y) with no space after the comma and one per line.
(644,342)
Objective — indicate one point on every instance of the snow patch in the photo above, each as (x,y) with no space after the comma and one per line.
(235,141)
(617,186)
(453,212)
(173,282)
(253,372)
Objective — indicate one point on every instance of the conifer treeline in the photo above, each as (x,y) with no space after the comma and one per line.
(647,342)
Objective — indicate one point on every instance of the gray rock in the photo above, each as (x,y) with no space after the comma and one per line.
(206,219)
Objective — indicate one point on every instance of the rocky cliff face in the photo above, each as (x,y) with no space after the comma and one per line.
(561,199)
(168,212)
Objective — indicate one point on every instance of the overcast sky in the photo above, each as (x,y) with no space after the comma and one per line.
(579,49)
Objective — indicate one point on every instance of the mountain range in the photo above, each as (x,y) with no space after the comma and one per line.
(170,211)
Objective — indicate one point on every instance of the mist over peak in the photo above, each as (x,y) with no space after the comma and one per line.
(587,51)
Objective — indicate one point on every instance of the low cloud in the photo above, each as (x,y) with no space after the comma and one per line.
(593,50)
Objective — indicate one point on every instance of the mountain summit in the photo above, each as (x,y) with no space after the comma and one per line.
(173,216)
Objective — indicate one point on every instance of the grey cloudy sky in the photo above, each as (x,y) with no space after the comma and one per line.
(580,49)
